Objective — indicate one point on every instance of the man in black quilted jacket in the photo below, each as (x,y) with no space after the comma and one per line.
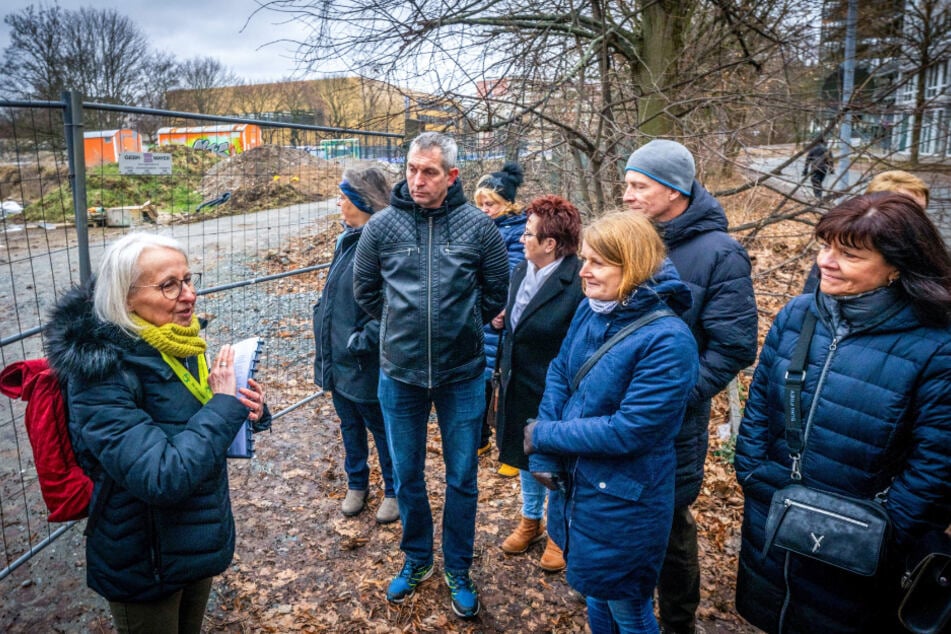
(433,269)
(661,184)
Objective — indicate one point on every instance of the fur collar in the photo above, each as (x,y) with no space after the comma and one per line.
(79,346)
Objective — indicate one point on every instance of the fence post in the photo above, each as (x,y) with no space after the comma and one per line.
(76,152)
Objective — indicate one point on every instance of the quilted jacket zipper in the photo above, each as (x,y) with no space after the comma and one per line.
(429,309)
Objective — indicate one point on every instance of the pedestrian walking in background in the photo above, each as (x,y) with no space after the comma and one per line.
(818,165)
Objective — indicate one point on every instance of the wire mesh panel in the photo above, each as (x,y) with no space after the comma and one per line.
(234,192)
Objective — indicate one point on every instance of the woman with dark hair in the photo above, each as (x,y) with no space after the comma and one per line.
(543,296)
(347,362)
(603,441)
(876,414)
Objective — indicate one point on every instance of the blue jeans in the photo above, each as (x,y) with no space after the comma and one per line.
(459,408)
(355,419)
(626,616)
(534,495)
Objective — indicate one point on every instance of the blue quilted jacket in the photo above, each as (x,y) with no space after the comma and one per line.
(614,437)
(511,226)
(877,406)
(166,516)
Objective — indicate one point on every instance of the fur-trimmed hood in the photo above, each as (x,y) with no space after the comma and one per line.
(79,345)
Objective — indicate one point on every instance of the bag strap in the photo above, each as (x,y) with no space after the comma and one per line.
(795,377)
(620,334)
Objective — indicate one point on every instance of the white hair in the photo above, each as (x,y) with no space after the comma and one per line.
(118,273)
(446,144)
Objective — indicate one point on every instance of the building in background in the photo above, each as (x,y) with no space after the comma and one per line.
(922,113)
(225,139)
(104,146)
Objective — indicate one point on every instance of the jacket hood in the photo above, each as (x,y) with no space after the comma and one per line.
(78,344)
(703,214)
(664,286)
(400,198)
(511,220)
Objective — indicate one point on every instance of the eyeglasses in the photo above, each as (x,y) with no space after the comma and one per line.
(172,289)
(537,236)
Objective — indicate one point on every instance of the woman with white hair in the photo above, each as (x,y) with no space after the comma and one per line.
(151,424)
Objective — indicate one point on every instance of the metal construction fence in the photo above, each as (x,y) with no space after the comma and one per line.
(72,180)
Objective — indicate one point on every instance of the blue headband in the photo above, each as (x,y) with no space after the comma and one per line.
(354,196)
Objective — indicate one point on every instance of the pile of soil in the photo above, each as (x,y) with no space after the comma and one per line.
(275,174)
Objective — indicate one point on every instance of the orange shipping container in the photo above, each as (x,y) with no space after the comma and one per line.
(221,139)
(104,146)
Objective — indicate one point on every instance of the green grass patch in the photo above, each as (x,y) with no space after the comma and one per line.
(106,187)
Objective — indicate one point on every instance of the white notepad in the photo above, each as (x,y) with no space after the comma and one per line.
(246,354)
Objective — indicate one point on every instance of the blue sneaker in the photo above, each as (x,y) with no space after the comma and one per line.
(404,584)
(465,597)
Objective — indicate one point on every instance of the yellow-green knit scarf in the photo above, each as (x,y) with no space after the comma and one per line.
(172,339)
(176,342)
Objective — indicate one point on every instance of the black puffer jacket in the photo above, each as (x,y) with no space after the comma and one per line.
(158,456)
(723,320)
(432,277)
(347,360)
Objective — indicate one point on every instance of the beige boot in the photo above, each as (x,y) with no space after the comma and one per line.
(525,534)
(553,560)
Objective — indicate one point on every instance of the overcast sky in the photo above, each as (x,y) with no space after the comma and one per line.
(224,29)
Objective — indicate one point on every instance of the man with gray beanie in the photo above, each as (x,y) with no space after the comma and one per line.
(660,178)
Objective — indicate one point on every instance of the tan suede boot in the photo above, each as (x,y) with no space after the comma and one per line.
(553,560)
(525,534)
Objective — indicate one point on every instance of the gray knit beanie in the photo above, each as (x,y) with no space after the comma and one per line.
(667,162)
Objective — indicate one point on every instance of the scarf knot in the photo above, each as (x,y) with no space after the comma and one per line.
(174,340)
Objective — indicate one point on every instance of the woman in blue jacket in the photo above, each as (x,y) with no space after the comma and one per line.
(605,448)
(495,195)
(876,410)
(347,360)
(150,423)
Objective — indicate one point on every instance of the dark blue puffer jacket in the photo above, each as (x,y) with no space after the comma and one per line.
(511,226)
(878,413)
(722,318)
(166,519)
(615,437)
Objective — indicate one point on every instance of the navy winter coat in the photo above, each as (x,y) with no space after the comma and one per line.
(158,457)
(722,318)
(511,226)
(347,360)
(614,437)
(434,278)
(877,408)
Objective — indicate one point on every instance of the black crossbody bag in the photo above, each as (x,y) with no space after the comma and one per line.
(842,531)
